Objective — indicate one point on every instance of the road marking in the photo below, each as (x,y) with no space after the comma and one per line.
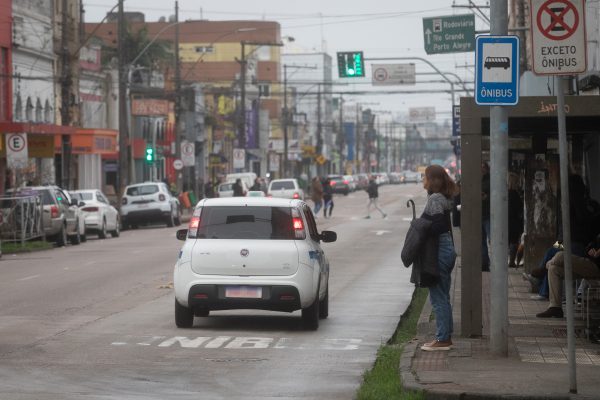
(29,277)
(379,233)
(242,342)
(90,263)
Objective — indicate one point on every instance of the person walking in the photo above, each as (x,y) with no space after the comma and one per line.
(373,192)
(440,191)
(238,188)
(327,198)
(256,186)
(316,195)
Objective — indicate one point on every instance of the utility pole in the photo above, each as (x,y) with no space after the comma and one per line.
(179,180)
(242,112)
(285,123)
(319,127)
(342,138)
(65,110)
(357,155)
(499,203)
(123,128)
(377,144)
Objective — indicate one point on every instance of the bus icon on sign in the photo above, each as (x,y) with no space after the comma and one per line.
(496,62)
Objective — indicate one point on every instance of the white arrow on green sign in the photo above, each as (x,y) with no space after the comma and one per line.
(449,34)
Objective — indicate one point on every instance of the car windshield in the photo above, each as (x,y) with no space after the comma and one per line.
(82,196)
(282,185)
(142,190)
(271,223)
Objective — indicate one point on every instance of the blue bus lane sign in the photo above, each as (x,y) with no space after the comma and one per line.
(497,70)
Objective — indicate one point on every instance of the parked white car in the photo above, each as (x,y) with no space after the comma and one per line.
(100,217)
(285,189)
(149,202)
(252,253)
(225,189)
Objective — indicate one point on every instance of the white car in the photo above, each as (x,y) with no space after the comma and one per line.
(252,253)
(225,189)
(149,202)
(285,189)
(100,217)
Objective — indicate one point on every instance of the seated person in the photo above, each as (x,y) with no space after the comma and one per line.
(587,267)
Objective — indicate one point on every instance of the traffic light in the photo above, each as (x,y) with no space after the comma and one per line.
(351,64)
(149,155)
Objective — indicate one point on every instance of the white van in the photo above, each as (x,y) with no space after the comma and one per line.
(247,177)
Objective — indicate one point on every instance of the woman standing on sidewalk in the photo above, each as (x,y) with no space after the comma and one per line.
(441,190)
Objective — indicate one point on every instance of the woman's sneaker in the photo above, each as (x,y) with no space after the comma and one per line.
(437,345)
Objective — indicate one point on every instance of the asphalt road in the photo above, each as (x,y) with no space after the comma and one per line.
(95,321)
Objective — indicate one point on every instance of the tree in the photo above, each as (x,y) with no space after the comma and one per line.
(154,57)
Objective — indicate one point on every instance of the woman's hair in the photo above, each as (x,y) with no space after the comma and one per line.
(438,181)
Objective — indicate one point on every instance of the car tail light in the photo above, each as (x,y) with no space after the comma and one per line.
(54,212)
(161,197)
(298,224)
(332,183)
(296,195)
(194,223)
(345,182)
(124,200)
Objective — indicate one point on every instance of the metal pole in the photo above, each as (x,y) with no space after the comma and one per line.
(319,126)
(285,123)
(242,115)
(123,128)
(566,229)
(357,138)
(499,205)
(179,174)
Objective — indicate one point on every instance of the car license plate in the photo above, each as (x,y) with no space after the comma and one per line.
(243,292)
(143,205)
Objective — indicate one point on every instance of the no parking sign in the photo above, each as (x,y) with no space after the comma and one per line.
(558,37)
(16,150)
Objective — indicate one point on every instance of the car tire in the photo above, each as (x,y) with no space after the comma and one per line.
(310,315)
(76,238)
(178,218)
(324,306)
(117,231)
(184,317)
(61,238)
(170,220)
(102,234)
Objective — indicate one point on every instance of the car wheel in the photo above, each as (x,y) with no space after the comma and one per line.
(117,231)
(310,315)
(61,238)
(178,218)
(170,220)
(102,233)
(324,306)
(76,238)
(184,317)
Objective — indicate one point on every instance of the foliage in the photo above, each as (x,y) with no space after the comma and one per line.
(15,247)
(158,53)
(383,380)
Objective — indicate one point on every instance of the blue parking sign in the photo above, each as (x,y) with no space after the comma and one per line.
(497,70)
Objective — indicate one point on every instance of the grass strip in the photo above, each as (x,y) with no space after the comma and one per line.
(383,380)
(29,246)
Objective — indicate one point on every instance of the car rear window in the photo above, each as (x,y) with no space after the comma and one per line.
(82,196)
(221,222)
(142,190)
(282,185)
(226,187)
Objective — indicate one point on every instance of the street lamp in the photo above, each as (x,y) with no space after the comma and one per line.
(286,113)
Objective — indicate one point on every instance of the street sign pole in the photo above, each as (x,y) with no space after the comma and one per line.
(499,203)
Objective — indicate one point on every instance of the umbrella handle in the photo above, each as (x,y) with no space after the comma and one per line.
(410,203)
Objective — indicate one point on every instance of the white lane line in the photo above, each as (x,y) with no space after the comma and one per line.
(90,263)
(29,277)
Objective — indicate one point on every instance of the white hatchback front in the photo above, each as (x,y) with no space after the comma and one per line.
(252,253)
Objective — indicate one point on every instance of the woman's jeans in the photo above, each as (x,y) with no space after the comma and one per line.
(440,293)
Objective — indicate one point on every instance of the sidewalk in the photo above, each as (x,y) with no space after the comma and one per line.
(536,367)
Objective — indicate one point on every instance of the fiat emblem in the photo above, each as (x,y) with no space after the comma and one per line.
(244,252)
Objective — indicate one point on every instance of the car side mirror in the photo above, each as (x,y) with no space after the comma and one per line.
(181,234)
(328,236)
(81,204)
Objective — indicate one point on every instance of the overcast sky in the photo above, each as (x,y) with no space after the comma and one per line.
(380,28)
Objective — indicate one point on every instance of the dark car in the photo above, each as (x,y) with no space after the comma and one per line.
(339,185)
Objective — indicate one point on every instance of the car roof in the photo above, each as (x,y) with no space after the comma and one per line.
(145,183)
(283,180)
(84,191)
(250,201)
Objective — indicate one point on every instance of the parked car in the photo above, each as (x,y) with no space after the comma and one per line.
(285,189)
(62,220)
(362,181)
(395,177)
(351,182)
(255,193)
(339,184)
(412,176)
(225,189)
(247,177)
(252,253)
(100,217)
(149,202)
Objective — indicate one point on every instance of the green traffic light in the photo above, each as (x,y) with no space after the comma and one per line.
(149,154)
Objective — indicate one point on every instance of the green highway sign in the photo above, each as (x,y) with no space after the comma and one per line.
(449,34)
